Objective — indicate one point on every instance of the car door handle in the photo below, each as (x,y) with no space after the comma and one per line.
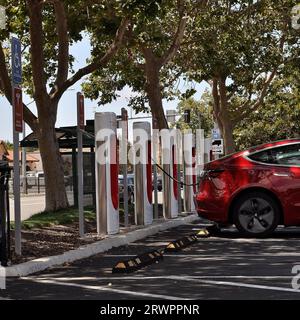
(283,174)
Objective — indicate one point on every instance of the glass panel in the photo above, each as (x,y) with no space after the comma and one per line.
(285,155)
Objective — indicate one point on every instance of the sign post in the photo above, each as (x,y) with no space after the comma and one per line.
(17,128)
(24,163)
(80,128)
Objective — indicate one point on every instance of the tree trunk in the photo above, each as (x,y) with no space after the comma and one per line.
(153,90)
(56,196)
(222,116)
(226,128)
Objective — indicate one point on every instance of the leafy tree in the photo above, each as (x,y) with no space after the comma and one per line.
(277,118)
(201,113)
(47,29)
(239,47)
(146,64)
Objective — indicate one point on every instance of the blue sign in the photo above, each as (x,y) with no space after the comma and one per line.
(16,60)
(216,134)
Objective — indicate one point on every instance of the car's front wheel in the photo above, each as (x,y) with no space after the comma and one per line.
(256,214)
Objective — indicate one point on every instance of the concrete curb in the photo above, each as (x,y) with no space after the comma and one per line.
(41,264)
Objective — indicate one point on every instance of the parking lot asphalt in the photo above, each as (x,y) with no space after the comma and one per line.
(226,266)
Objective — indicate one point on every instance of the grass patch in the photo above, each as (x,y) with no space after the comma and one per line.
(62,217)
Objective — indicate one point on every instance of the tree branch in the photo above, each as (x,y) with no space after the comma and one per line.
(170,53)
(37,50)
(268,80)
(63,42)
(99,61)
(216,96)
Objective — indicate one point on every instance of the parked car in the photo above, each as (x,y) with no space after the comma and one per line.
(33,177)
(256,189)
(159,183)
(130,187)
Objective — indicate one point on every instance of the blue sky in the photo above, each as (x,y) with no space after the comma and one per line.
(67,106)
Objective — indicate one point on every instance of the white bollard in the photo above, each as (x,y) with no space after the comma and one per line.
(107,188)
(142,173)
(189,172)
(171,188)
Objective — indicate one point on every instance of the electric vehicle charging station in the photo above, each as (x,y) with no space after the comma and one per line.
(142,173)
(189,151)
(169,163)
(107,189)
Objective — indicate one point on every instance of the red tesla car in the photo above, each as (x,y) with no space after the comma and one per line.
(256,190)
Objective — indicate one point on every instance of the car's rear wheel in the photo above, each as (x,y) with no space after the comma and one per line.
(256,214)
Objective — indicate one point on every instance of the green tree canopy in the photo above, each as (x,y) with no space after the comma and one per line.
(201,113)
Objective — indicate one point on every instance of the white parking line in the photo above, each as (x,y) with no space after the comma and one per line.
(241,240)
(194,279)
(200,255)
(108,289)
(200,279)
(244,285)
(138,277)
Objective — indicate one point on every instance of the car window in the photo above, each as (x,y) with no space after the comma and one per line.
(260,156)
(285,155)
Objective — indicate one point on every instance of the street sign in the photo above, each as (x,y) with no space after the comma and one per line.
(217,146)
(18,109)
(80,110)
(216,134)
(16,59)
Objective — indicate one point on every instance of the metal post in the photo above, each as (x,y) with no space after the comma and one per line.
(124,164)
(3,239)
(17,201)
(80,184)
(8,219)
(80,127)
(16,187)
(75,178)
(155,147)
(38,184)
(179,157)
(24,185)
(93,175)
(16,63)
